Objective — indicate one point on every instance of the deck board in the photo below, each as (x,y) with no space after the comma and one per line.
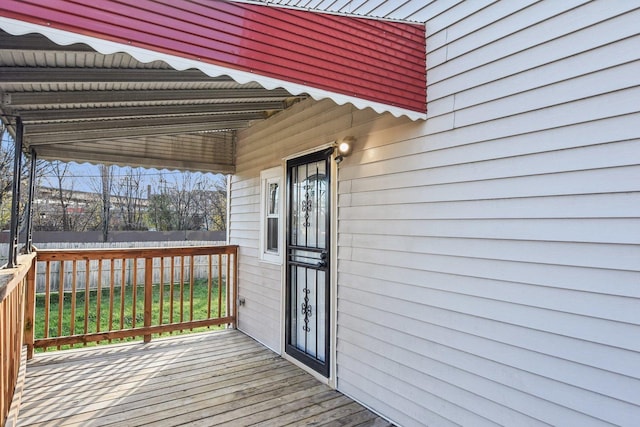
(214,379)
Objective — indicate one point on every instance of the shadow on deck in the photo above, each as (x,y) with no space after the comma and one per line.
(210,379)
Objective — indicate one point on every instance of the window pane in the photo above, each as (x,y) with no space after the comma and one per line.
(272,234)
(272,207)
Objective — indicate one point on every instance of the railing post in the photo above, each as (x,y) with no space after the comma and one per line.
(148,294)
(30,309)
(235,288)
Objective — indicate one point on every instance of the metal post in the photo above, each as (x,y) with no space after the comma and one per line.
(32,192)
(15,201)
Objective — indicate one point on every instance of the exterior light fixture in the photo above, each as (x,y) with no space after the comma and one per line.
(344,147)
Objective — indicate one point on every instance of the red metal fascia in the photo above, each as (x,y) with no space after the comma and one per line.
(394,82)
(370,69)
(375,60)
(324,36)
(268,53)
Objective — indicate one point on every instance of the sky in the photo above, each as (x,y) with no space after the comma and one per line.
(86,176)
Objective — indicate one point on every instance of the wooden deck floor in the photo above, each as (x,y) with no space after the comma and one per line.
(214,379)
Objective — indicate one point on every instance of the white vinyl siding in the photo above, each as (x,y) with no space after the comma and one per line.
(489,257)
(489,267)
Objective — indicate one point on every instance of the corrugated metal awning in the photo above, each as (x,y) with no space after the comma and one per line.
(236,62)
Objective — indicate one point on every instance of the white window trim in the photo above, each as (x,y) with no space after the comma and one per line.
(268,177)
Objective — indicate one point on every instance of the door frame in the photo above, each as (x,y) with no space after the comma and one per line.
(331,380)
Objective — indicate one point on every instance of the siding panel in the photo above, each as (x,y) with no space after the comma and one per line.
(472,75)
(542,252)
(538,24)
(619,205)
(463,167)
(461,366)
(409,412)
(483,397)
(470,18)
(601,58)
(438,188)
(617,360)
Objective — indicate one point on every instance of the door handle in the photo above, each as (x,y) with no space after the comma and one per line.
(323,259)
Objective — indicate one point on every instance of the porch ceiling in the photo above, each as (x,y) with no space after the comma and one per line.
(80,105)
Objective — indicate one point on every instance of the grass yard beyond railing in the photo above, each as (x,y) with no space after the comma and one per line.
(203,304)
(120,294)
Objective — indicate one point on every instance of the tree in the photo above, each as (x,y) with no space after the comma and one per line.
(160,214)
(188,202)
(61,173)
(7,155)
(103,186)
(6,178)
(106,183)
(211,202)
(73,211)
(172,209)
(129,199)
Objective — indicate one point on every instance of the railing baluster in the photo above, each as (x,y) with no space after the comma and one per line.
(112,286)
(181,290)
(161,291)
(148,294)
(219,285)
(134,292)
(99,296)
(122,290)
(87,297)
(60,299)
(47,296)
(209,284)
(74,269)
(173,263)
(191,283)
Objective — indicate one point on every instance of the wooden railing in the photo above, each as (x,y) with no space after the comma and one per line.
(13,290)
(94,295)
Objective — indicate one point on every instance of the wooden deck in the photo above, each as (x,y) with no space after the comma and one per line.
(212,379)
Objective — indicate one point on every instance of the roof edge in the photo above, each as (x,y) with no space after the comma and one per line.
(328,12)
(64,38)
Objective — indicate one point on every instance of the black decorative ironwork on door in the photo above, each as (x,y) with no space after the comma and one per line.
(308,244)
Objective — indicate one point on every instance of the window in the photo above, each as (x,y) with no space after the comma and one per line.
(270,215)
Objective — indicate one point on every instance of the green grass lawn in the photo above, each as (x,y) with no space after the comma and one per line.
(200,307)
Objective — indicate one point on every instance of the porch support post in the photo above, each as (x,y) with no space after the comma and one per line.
(15,201)
(32,191)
